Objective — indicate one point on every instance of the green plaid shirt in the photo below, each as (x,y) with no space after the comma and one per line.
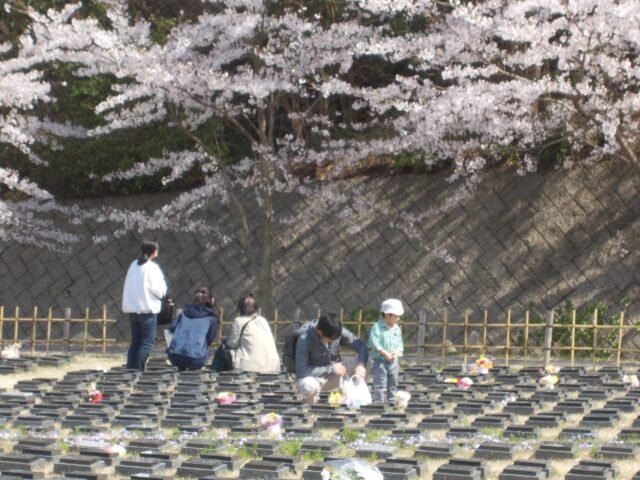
(385,338)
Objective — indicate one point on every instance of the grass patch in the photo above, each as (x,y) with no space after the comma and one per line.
(349,434)
(373,435)
(64,447)
(314,456)
(490,431)
(247,453)
(290,447)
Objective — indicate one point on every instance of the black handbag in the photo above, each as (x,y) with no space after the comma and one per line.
(222,360)
(167,311)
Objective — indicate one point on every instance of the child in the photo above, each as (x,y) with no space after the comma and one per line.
(385,341)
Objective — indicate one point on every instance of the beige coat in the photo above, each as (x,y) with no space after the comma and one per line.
(256,351)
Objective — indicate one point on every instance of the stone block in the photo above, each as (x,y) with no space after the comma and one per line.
(435,450)
(200,467)
(591,470)
(555,450)
(77,463)
(525,470)
(617,450)
(460,469)
(494,451)
(256,469)
(375,450)
(131,465)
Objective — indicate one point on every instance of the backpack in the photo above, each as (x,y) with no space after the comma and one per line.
(290,343)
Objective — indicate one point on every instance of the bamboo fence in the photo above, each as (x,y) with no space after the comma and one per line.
(421,332)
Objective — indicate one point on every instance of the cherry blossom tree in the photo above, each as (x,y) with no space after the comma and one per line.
(26,208)
(279,77)
(473,84)
(522,78)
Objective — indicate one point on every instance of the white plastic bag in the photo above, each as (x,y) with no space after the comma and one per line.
(350,469)
(12,352)
(355,392)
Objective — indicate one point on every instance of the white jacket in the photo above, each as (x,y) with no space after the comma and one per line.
(256,350)
(144,288)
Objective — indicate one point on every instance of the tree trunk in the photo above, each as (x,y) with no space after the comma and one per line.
(265,284)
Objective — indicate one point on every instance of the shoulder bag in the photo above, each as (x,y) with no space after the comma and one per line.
(222,358)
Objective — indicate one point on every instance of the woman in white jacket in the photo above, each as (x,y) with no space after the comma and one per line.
(253,348)
(144,288)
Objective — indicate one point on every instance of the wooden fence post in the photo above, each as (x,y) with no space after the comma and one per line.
(1,326)
(443,353)
(485,329)
(573,337)
(595,339)
(85,334)
(66,327)
(104,328)
(220,324)
(34,329)
(507,339)
(422,333)
(465,340)
(548,339)
(49,320)
(619,352)
(16,323)
(526,337)
(275,325)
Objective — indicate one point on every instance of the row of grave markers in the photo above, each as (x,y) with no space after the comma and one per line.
(49,411)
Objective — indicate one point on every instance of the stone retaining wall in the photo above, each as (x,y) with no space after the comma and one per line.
(543,238)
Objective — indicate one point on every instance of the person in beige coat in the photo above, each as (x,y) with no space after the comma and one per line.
(251,342)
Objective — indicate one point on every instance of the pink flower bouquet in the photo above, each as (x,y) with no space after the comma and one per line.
(464,383)
(271,419)
(224,398)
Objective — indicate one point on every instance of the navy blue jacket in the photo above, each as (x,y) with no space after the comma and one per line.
(193,331)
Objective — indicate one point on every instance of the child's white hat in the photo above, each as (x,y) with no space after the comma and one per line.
(393,306)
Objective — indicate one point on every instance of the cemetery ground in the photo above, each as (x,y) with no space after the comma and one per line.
(167,424)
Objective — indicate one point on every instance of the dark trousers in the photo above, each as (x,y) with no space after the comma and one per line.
(143,336)
(186,363)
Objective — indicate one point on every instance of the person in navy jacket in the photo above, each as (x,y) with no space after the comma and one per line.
(193,331)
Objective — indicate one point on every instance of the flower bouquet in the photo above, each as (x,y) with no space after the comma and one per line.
(272,423)
(117,449)
(94,395)
(463,383)
(336,398)
(549,381)
(224,398)
(11,352)
(551,369)
(484,364)
(402,398)
(631,380)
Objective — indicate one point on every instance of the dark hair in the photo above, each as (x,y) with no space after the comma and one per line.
(247,305)
(330,326)
(203,297)
(148,248)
